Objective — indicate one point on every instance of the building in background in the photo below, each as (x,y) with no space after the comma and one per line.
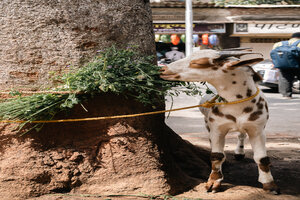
(261,26)
(258,27)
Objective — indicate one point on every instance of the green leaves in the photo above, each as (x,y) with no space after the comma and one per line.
(120,71)
(70,101)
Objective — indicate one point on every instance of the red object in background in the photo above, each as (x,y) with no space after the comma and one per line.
(205,39)
(175,39)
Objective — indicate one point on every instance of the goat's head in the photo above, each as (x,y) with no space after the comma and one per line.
(207,65)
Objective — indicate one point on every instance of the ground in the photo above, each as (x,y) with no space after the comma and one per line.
(241,176)
(240,180)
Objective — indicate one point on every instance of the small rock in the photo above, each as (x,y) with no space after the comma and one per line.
(75,182)
(57,156)
(76,157)
(48,161)
(59,165)
(76,172)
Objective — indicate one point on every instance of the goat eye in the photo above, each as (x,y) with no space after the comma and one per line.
(195,65)
(200,63)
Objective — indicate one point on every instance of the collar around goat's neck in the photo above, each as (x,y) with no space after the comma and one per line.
(213,102)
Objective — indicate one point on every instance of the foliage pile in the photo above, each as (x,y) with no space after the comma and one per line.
(119,71)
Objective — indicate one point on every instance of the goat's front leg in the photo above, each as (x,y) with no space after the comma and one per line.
(217,141)
(258,140)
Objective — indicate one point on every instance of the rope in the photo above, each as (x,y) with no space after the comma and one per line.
(238,101)
(207,104)
(43,92)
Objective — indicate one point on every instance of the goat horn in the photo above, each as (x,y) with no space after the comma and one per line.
(226,54)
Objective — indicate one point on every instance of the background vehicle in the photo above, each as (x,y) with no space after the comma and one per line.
(271,75)
(164,61)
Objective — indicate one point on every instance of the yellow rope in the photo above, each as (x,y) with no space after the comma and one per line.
(238,101)
(43,92)
(207,104)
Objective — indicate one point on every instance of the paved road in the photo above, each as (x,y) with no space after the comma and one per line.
(284,117)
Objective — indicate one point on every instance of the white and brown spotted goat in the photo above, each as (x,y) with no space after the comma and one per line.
(234,80)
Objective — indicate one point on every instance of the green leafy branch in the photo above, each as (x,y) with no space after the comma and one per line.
(119,71)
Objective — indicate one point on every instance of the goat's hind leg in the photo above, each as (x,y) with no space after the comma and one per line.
(239,152)
(217,158)
(257,140)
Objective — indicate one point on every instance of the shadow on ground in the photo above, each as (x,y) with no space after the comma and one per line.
(285,170)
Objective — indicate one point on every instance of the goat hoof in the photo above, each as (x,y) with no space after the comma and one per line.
(277,192)
(239,156)
(213,186)
(208,186)
(214,191)
(272,188)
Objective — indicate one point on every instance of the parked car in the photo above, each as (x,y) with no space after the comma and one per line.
(271,75)
(164,61)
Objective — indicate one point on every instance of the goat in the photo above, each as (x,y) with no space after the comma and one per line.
(234,80)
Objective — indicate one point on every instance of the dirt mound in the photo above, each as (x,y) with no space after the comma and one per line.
(121,156)
(240,180)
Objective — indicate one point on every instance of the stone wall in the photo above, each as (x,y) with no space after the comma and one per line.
(38,37)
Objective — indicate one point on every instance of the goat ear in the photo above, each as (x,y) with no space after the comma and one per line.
(240,63)
(256,76)
(200,63)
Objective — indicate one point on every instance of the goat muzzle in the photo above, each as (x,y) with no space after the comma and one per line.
(166,74)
